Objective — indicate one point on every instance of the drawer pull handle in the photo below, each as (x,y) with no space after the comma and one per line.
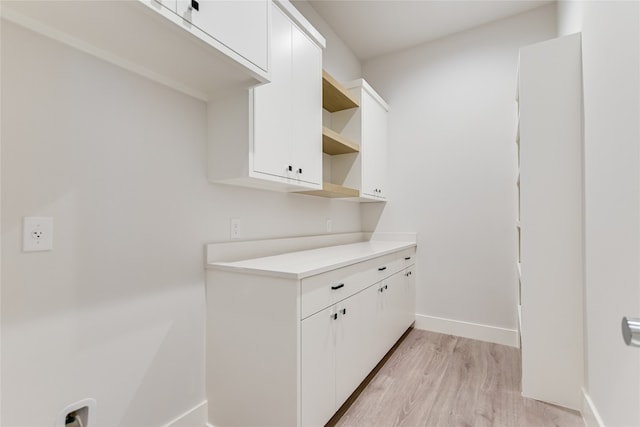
(335,316)
(382,268)
(194,5)
(386,287)
(381,289)
(344,311)
(407,258)
(341,285)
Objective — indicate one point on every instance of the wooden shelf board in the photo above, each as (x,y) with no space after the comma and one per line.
(333,143)
(333,191)
(334,96)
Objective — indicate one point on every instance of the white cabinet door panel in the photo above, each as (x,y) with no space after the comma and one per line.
(409,289)
(272,105)
(307,98)
(352,341)
(318,333)
(374,140)
(239,25)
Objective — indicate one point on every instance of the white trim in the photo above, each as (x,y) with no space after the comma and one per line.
(196,416)
(474,331)
(590,414)
(290,10)
(362,83)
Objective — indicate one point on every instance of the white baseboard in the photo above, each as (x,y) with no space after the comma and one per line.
(194,417)
(589,412)
(474,331)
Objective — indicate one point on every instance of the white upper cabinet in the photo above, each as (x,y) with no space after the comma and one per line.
(374,145)
(224,44)
(362,169)
(306,90)
(271,136)
(239,25)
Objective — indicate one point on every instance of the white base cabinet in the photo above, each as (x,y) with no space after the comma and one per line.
(290,351)
(343,343)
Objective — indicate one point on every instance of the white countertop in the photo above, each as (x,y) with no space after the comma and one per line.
(298,265)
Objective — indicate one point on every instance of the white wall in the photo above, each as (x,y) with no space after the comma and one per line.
(611,78)
(452,170)
(116,310)
(337,58)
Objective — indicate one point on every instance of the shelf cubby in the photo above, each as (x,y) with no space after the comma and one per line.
(334,96)
(333,191)
(333,143)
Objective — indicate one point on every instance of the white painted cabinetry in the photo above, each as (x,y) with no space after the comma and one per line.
(270,136)
(290,337)
(160,39)
(374,144)
(239,25)
(551,221)
(366,126)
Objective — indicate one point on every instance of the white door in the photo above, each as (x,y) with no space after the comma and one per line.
(306,141)
(318,367)
(374,140)
(611,76)
(272,105)
(352,340)
(239,25)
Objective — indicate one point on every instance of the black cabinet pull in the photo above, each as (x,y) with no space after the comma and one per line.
(195,5)
(341,285)
(335,316)
(382,268)
(344,311)
(299,170)
(381,289)
(407,258)
(386,287)
(290,168)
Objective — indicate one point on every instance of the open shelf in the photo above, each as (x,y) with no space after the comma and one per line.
(334,96)
(333,143)
(333,191)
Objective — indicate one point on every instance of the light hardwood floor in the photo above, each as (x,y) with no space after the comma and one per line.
(432,379)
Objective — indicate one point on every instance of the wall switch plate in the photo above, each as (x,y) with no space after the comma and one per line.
(235,228)
(37,233)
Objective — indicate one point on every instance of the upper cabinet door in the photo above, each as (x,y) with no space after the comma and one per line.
(239,25)
(374,147)
(306,112)
(272,106)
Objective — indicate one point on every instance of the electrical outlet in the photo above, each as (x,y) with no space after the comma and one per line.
(329,225)
(37,234)
(235,228)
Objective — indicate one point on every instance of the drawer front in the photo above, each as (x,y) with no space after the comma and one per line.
(321,291)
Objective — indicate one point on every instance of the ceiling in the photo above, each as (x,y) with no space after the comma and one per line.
(377,27)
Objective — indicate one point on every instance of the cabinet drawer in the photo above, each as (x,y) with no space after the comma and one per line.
(320,291)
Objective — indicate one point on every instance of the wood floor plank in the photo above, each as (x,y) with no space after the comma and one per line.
(437,380)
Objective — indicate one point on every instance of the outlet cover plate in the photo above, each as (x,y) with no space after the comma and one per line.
(37,233)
